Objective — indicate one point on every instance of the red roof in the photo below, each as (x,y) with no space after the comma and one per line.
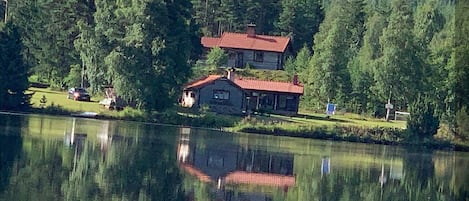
(260,85)
(251,84)
(202,81)
(257,42)
(209,42)
(240,177)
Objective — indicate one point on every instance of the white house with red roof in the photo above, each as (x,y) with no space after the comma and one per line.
(236,95)
(259,51)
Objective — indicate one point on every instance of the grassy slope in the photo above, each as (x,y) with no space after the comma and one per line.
(59,98)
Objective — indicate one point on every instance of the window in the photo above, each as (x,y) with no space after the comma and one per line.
(232,55)
(282,102)
(221,94)
(258,56)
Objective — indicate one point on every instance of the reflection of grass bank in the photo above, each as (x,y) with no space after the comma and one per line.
(336,131)
(344,127)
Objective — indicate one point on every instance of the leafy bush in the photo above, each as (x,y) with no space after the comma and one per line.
(422,123)
(130,113)
(217,57)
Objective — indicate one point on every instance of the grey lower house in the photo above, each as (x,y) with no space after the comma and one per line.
(233,95)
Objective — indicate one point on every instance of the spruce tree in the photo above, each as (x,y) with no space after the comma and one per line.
(14,76)
(300,20)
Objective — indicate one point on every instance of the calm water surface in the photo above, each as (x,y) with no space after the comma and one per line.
(60,158)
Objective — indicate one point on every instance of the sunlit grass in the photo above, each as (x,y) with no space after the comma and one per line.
(345,119)
(59,98)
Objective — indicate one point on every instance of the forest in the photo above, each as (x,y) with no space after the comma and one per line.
(359,54)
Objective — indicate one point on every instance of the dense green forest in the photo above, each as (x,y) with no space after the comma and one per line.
(357,53)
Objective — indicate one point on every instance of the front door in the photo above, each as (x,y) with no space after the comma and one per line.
(239,60)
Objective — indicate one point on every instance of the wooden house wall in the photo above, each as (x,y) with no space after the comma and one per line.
(233,105)
(271,102)
(271,60)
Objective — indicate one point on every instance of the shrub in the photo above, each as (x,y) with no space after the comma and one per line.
(130,113)
(216,57)
(422,123)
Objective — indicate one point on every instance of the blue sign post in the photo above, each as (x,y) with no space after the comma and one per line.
(330,109)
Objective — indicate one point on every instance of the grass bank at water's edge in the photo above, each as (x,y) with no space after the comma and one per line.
(344,127)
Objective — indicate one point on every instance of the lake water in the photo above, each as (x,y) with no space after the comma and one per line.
(48,158)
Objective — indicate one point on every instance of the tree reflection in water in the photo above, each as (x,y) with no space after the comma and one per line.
(113,160)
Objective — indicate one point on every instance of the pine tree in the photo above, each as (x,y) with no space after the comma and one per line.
(300,20)
(49,37)
(14,76)
(204,15)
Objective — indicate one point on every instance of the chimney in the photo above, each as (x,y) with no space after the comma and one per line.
(295,79)
(231,74)
(251,30)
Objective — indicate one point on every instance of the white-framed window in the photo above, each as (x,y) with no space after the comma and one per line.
(221,94)
(258,56)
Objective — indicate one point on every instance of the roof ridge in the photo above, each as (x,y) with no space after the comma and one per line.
(253,78)
(272,36)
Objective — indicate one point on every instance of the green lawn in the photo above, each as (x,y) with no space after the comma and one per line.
(319,120)
(59,98)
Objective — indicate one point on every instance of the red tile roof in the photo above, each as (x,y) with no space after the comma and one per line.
(209,42)
(258,42)
(202,81)
(260,85)
(251,84)
(241,177)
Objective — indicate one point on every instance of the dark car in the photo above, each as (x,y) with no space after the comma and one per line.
(77,93)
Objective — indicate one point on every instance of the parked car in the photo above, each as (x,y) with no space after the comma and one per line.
(77,93)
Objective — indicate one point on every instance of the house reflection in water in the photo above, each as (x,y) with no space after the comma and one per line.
(225,166)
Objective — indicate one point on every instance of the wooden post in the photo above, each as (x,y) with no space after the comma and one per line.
(388,110)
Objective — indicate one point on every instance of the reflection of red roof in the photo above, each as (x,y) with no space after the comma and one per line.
(257,42)
(209,42)
(195,172)
(251,84)
(260,85)
(240,177)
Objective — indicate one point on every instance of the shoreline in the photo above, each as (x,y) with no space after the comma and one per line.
(371,135)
